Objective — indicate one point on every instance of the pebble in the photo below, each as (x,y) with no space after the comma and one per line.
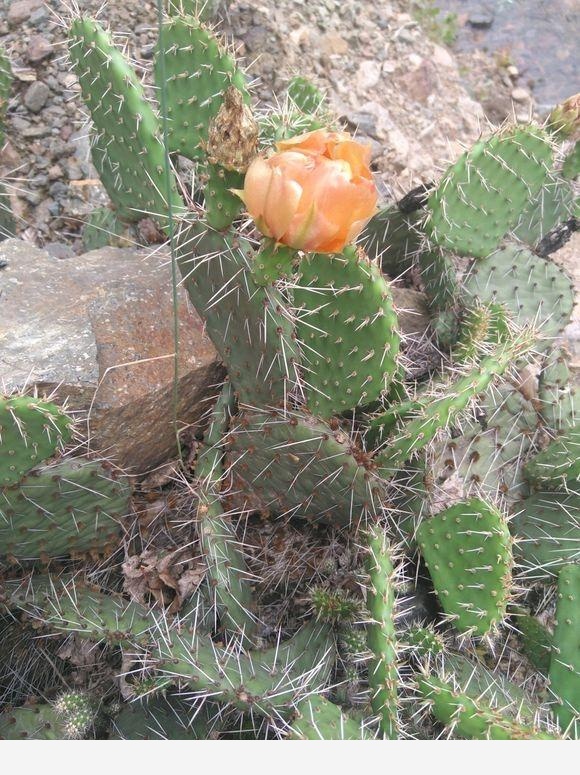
(38,49)
(520,94)
(21,11)
(481,18)
(36,96)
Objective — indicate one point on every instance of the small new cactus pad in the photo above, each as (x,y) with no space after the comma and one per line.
(246,323)
(565,662)
(305,95)
(221,205)
(264,682)
(195,71)
(556,394)
(439,278)
(318,719)
(467,550)
(71,507)
(558,466)
(546,527)
(295,465)
(162,718)
(272,262)
(127,150)
(383,676)
(347,328)
(102,229)
(535,638)
(31,431)
(226,567)
(472,719)
(482,195)
(392,239)
(534,290)
(66,605)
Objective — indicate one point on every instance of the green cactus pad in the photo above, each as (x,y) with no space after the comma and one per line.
(221,205)
(227,574)
(66,605)
(295,465)
(423,641)
(536,640)
(31,722)
(383,677)
(556,394)
(571,166)
(551,206)
(472,719)
(71,507)
(392,239)
(535,291)
(318,719)
(348,331)
(272,263)
(275,127)
(439,413)
(558,466)
(546,527)
(305,95)
(468,551)
(127,149)
(247,324)
(7,221)
(161,718)
(263,682)
(5,87)
(194,73)
(102,229)
(438,275)
(31,431)
(565,663)
(482,196)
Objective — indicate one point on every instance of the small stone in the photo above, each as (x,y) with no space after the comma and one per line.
(481,18)
(520,94)
(513,72)
(369,74)
(58,250)
(36,96)
(21,11)
(38,49)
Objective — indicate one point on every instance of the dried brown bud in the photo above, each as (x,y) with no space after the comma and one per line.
(233,134)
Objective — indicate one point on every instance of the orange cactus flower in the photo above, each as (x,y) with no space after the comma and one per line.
(316,194)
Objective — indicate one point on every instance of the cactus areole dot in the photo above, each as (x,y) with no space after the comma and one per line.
(316,194)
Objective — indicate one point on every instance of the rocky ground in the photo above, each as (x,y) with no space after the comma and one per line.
(400,90)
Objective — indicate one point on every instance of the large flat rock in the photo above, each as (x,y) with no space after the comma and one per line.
(98,329)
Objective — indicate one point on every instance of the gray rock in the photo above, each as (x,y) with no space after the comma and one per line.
(38,49)
(481,17)
(21,11)
(98,328)
(36,96)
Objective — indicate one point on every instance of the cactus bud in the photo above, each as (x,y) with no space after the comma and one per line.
(565,118)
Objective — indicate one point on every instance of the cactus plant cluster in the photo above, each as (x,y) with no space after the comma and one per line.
(458,477)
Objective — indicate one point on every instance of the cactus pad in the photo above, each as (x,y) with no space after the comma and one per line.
(318,719)
(31,430)
(348,331)
(482,196)
(195,71)
(565,663)
(467,550)
(294,465)
(546,527)
(71,507)
(558,466)
(534,290)
(127,151)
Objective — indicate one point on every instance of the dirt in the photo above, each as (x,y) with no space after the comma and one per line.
(387,81)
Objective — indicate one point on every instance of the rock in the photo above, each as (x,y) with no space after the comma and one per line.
(369,74)
(481,17)
(519,94)
(98,328)
(36,96)
(21,11)
(38,49)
